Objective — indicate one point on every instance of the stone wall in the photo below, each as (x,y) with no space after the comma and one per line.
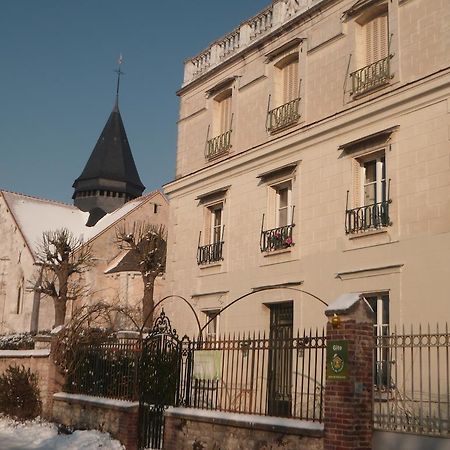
(40,363)
(117,417)
(186,428)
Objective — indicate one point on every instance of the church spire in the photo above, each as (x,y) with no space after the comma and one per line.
(110,177)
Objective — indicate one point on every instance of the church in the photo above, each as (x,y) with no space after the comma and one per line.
(107,194)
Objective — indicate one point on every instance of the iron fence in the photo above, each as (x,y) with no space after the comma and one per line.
(371,76)
(412,392)
(106,370)
(367,217)
(284,115)
(218,145)
(210,253)
(276,238)
(259,374)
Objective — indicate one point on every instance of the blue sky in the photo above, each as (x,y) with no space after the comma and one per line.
(58,83)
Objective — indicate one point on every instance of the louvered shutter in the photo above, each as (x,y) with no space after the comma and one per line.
(376,39)
(225,114)
(357,183)
(290,81)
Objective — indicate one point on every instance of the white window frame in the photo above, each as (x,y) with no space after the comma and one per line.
(382,309)
(380,178)
(209,313)
(215,230)
(275,193)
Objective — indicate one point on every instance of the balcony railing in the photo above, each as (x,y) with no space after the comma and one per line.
(218,146)
(367,217)
(207,254)
(276,238)
(283,115)
(371,76)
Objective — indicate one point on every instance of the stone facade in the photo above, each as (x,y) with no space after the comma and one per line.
(187,429)
(341,126)
(21,231)
(123,287)
(119,418)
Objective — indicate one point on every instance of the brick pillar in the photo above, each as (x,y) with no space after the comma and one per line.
(349,387)
(128,429)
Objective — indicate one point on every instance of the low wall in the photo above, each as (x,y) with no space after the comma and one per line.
(117,417)
(385,440)
(187,428)
(39,362)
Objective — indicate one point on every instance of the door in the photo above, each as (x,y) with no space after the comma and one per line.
(280,360)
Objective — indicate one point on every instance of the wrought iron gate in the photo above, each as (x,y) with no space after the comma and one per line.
(164,374)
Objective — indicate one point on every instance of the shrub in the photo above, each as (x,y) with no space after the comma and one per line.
(19,393)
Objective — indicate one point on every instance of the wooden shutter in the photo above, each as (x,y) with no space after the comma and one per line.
(376,39)
(290,81)
(225,114)
(357,183)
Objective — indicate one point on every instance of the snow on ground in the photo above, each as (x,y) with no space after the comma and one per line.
(40,435)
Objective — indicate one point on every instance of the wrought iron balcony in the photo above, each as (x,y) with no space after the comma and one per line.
(367,217)
(283,115)
(207,254)
(371,76)
(276,238)
(218,146)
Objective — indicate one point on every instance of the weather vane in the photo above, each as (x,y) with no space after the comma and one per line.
(119,72)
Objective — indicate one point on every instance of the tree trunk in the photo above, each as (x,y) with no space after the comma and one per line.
(147,301)
(60,312)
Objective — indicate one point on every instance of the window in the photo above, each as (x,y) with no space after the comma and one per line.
(380,306)
(374,190)
(373,50)
(222,126)
(211,250)
(212,321)
(280,224)
(19,302)
(216,223)
(287,94)
(370,195)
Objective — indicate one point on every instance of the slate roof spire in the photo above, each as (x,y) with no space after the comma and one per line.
(110,177)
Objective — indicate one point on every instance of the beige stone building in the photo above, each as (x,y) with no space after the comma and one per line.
(314,154)
(23,219)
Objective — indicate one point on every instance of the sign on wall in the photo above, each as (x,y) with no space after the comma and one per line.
(337,360)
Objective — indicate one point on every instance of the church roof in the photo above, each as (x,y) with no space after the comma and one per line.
(111,161)
(35,215)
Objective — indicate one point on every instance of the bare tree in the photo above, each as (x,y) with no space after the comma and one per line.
(63,259)
(146,244)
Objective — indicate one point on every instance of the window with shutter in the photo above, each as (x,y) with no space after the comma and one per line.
(287,94)
(376,33)
(372,53)
(370,197)
(225,114)
(290,81)
(220,143)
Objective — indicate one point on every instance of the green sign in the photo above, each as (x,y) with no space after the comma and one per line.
(337,360)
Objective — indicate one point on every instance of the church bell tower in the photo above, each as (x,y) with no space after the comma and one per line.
(110,177)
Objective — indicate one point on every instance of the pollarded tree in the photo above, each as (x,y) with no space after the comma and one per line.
(63,259)
(146,244)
